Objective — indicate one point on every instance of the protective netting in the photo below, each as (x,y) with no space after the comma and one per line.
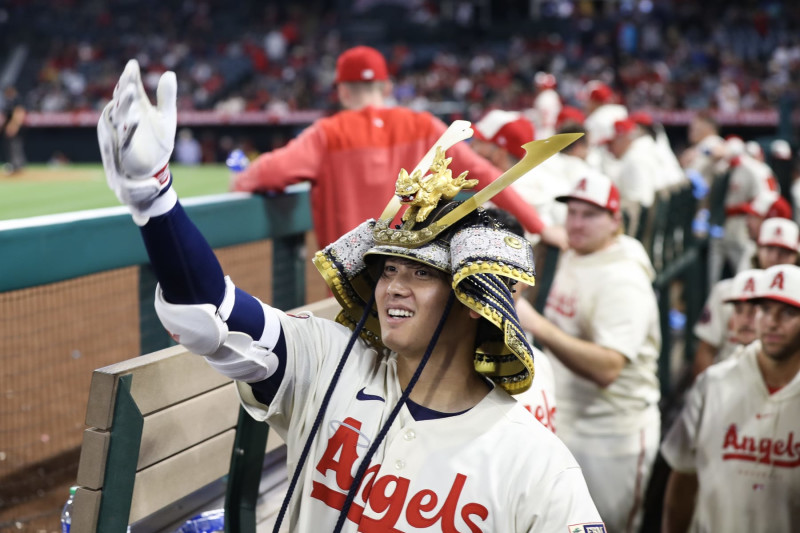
(51,339)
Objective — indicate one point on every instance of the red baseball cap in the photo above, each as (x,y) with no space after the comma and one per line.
(596,189)
(624,126)
(769,204)
(362,63)
(643,118)
(570,114)
(506,129)
(599,92)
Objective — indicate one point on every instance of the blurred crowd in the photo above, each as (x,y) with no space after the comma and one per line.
(457,57)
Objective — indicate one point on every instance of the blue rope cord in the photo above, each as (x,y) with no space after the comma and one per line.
(362,468)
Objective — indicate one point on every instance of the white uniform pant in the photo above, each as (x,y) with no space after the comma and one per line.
(617,470)
(730,250)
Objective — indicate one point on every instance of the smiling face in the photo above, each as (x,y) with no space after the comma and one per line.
(590,228)
(411,298)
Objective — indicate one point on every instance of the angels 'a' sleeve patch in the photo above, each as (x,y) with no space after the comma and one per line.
(587,528)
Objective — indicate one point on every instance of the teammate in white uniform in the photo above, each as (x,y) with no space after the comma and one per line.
(460,454)
(602,333)
(777,245)
(499,137)
(767,204)
(640,171)
(735,449)
(749,177)
(601,114)
(742,325)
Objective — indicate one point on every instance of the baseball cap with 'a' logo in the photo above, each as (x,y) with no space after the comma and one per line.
(780,232)
(596,189)
(362,63)
(780,283)
(743,286)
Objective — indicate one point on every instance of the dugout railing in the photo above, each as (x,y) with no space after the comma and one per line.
(76,294)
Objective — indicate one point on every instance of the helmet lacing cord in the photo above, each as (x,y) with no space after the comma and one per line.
(322,408)
(362,468)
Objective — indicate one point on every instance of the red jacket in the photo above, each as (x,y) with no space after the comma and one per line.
(352,160)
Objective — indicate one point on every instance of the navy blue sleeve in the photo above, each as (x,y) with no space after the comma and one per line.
(189,272)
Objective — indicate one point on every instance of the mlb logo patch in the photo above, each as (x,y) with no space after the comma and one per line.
(587,528)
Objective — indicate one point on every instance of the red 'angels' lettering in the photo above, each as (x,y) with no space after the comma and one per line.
(777,452)
(388,494)
(777,281)
(544,413)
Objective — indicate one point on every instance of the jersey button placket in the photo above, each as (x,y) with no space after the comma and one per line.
(399,464)
(410,435)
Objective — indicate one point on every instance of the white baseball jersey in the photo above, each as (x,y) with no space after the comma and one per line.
(640,172)
(749,177)
(540,399)
(713,326)
(744,445)
(606,298)
(491,468)
(540,186)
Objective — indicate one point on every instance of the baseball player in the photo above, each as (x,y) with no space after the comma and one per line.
(700,159)
(767,204)
(777,245)
(351,157)
(733,451)
(641,173)
(601,331)
(742,325)
(397,418)
(601,114)
(748,178)
(499,137)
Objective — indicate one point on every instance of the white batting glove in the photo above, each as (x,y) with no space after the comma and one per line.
(136,142)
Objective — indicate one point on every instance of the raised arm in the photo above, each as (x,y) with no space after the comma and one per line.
(200,307)
(300,160)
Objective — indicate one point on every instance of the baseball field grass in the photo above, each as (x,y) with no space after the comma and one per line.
(46,190)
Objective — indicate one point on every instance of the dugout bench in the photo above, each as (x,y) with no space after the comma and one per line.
(162,427)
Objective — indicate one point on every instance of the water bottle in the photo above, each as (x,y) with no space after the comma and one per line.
(66,512)
(206,522)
